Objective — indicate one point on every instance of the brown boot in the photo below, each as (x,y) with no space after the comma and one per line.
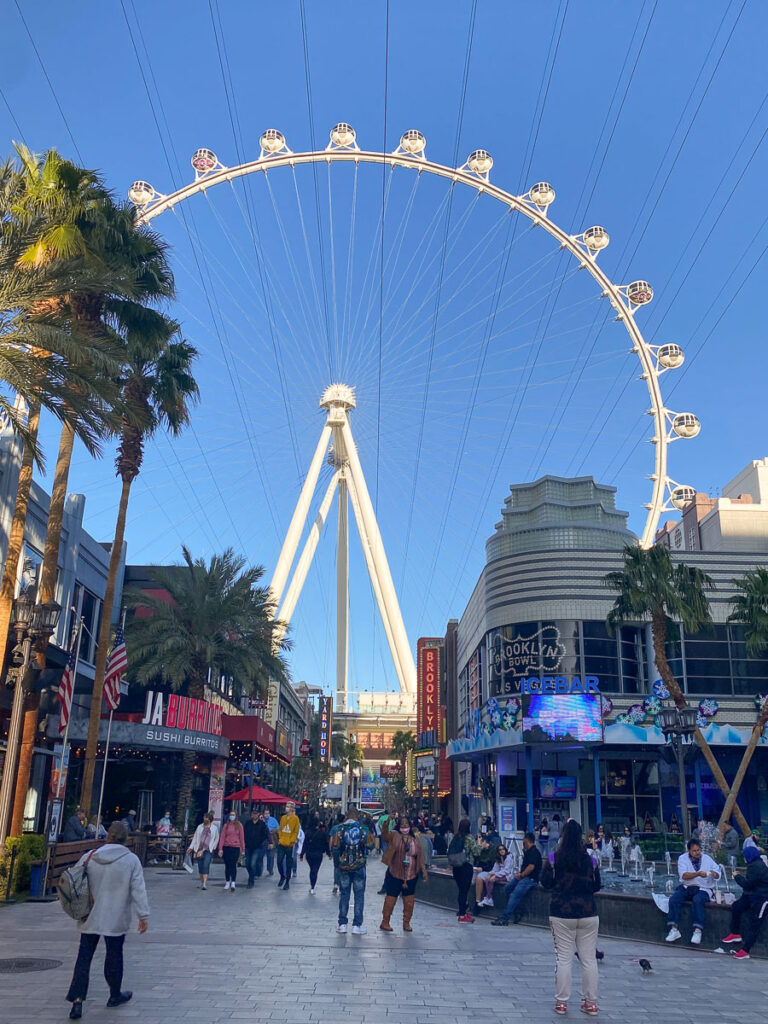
(408,902)
(386,913)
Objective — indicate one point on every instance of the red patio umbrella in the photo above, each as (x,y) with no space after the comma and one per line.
(259,795)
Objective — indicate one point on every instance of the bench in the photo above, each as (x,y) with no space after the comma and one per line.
(63,855)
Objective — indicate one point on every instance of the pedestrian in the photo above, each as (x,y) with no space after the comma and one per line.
(75,828)
(163,831)
(272,827)
(231,847)
(256,836)
(298,850)
(696,871)
(130,822)
(95,828)
(461,856)
(573,880)
(203,847)
(335,852)
(404,860)
(353,841)
(752,905)
(116,884)
(315,848)
(524,880)
(287,834)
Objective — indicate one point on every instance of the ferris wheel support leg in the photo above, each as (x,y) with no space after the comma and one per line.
(305,561)
(404,655)
(342,594)
(296,528)
(368,552)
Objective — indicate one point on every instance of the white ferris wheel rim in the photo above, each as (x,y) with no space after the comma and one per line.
(666,494)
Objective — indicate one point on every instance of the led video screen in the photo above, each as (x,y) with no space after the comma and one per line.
(573,718)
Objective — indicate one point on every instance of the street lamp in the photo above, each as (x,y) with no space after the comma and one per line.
(31,622)
(679,725)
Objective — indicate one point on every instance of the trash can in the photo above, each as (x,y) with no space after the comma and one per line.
(36,878)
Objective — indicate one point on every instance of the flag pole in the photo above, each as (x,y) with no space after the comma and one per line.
(65,737)
(106,752)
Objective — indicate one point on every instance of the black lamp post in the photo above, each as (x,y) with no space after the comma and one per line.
(679,725)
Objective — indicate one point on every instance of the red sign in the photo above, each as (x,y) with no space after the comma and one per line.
(304,748)
(428,683)
(389,771)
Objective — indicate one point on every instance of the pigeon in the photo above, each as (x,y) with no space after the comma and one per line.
(646,966)
(599,955)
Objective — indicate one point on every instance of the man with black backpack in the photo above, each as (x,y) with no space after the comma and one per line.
(116,893)
(350,843)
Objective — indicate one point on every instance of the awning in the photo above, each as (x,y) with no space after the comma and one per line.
(259,795)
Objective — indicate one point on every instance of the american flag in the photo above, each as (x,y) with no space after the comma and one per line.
(67,687)
(117,663)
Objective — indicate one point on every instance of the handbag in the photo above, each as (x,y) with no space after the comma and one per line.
(457,854)
(187,865)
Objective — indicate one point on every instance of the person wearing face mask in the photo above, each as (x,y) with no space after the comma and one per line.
(231,847)
(404,860)
(203,847)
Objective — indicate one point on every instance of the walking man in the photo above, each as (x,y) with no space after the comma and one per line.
(527,878)
(287,834)
(256,839)
(116,883)
(353,840)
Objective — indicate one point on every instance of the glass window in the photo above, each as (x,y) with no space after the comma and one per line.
(90,610)
(601,655)
(618,778)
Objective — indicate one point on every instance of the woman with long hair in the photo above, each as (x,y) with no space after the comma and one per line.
(503,871)
(461,857)
(315,848)
(203,847)
(404,861)
(231,848)
(573,880)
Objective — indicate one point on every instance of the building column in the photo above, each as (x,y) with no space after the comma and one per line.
(697,779)
(529,787)
(598,801)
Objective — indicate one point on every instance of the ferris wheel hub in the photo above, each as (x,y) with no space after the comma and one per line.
(338,395)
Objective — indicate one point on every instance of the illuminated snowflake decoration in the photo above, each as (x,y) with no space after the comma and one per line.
(512,707)
(624,719)
(606,705)
(701,721)
(660,690)
(636,714)
(709,707)
(652,706)
(496,718)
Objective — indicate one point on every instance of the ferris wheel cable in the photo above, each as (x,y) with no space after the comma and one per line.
(334,300)
(350,263)
(213,532)
(12,115)
(381,259)
(370,280)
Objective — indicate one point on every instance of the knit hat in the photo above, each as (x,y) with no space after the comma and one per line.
(751,853)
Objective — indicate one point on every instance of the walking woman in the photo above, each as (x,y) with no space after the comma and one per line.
(573,880)
(203,847)
(404,860)
(461,857)
(231,846)
(315,848)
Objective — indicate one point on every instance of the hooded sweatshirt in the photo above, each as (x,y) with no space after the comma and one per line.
(755,882)
(116,882)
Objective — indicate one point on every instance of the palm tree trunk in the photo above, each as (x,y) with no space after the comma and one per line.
(46,591)
(196,690)
(757,731)
(659,633)
(92,743)
(16,535)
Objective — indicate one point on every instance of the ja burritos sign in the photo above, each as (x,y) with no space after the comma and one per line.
(527,654)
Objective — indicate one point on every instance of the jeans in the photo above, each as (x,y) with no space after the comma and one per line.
(352,881)
(113,965)
(270,860)
(285,862)
(231,856)
(463,878)
(687,894)
(295,860)
(336,874)
(204,863)
(254,861)
(579,933)
(314,860)
(516,891)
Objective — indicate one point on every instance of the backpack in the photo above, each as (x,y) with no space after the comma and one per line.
(457,855)
(352,846)
(74,890)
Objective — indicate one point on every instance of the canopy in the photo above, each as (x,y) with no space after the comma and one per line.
(259,795)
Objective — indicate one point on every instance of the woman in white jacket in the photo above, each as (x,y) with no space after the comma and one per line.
(203,846)
(116,883)
(502,871)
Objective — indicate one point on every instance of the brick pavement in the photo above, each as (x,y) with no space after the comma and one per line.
(263,955)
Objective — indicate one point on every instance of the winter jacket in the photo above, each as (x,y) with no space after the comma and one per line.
(116,882)
(391,857)
(572,891)
(316,843)
(288,831)
(755,882)
(74,830)
(232,835)
(256,834)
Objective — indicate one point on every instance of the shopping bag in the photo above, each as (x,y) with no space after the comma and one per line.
(187,865)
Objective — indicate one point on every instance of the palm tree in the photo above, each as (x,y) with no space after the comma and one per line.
(158,387)
(217,618)
(750,609)
(651,586)
(349,754)
(403,742)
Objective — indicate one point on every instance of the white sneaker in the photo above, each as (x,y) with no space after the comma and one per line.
(486,902)
(696,937)
(341,929)
(232,886)
(311,892)
(226,886)
(674,934)
(359,929)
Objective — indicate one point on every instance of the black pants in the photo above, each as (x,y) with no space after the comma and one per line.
(113,965)
(397,887)
(231,855)
(314,860)
(751,910)
(285,862)
(463,878)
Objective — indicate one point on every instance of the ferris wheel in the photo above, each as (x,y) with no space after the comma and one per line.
(315,309)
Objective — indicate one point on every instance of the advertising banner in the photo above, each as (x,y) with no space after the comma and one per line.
(273,703)
(326,725)
(428,672)
(216,792)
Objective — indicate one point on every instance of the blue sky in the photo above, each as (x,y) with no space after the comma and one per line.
(648,118)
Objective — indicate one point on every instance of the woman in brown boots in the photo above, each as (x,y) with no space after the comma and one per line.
(404,859)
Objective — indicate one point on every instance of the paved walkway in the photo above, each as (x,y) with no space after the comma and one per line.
(262,955)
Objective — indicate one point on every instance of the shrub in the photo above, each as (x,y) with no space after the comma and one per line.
(30,847)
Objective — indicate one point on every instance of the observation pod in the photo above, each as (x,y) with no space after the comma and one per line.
(596,239)
(670,356)
(412,142)
(272,141)
(639,293)
(542,195)
(140,193)
(343,135)
(204,161)
(480,162)
(682,496)
(686,425)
